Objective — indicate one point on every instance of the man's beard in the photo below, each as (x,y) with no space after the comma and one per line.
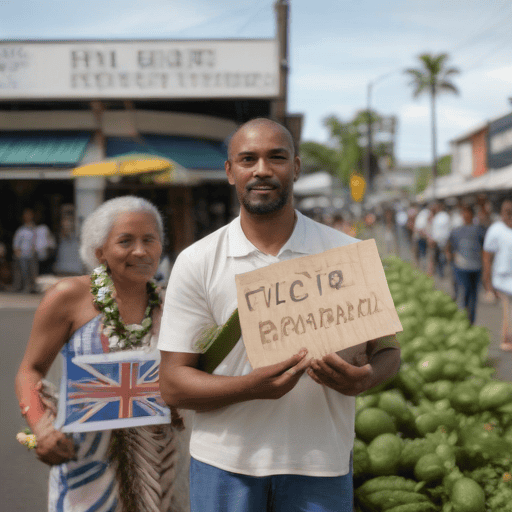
(264,208)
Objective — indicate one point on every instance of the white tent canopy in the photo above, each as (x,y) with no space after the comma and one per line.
(456,185)
(316,184)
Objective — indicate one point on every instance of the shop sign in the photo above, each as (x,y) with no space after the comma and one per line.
(139,69)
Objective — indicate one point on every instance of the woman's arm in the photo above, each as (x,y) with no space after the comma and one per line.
(51,328)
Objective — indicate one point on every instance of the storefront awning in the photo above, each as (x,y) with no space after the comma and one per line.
(495,180)
(58,149)
(190,153)
(130,164)
(316,184)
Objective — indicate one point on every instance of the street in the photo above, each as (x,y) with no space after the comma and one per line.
(24,479)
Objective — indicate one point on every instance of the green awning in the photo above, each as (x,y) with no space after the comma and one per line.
(42,148)
(190,152)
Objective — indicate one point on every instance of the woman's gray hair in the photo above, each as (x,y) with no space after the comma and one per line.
(99,223)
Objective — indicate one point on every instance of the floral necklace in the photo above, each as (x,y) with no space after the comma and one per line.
(120,336)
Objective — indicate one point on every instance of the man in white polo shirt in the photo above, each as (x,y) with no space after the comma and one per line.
(280,437)
(497,267)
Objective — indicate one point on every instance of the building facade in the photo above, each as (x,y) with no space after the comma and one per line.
(70,103)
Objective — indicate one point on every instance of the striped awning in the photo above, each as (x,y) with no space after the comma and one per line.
(60,149)
(191,153)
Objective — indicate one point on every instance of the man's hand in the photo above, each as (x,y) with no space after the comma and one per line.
(274,381)
(334,372)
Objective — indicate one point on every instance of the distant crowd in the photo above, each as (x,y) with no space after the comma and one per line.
(37,251)
(469,243)
(40,256)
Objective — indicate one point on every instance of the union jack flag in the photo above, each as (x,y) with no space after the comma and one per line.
(106,391)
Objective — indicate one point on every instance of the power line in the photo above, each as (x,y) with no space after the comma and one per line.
(252,16)
(223,16)
(480,62)
(504,19)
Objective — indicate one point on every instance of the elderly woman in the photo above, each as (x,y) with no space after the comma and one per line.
(110,470)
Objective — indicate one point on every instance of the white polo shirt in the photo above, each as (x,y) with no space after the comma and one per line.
(310,430)
(498,240)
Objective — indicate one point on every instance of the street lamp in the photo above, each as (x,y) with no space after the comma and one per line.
(368,163)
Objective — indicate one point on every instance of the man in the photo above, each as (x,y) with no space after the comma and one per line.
(440,233)
(455,222)
(45,245)
(25,256)
(497,263)
(464,248)
(420,237)
(278,437)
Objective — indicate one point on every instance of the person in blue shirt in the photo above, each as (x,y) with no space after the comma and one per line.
(464,248)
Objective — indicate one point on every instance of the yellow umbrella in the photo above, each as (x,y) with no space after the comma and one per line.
(124,165)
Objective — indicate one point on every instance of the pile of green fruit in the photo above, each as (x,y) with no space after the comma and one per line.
(438,436)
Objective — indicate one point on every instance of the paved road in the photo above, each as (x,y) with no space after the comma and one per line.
(23,479)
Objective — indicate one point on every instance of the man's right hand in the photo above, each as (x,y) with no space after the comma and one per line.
(274,381)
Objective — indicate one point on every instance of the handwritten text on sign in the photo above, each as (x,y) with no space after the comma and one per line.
(326,302)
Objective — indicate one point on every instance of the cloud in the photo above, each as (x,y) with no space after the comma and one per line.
(412,112)
(459,118)
(104,19)
(504,74)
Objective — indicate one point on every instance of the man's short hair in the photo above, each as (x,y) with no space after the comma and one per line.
(264,120)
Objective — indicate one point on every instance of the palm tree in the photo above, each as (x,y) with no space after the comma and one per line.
(432,78)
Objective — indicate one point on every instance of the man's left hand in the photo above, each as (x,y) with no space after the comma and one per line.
(336,373)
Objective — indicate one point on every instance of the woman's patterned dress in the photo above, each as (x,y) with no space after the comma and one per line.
(94,482)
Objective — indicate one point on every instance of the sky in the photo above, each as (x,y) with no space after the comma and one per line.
(337,49)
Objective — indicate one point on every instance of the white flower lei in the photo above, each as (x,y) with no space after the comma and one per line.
(120,336)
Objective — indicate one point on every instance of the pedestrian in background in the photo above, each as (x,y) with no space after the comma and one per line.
(439,234)
(390,234)
(46,246)
(401,219)
(464,248)
(456,221)
(337,222)
(25,255)
(68,261)
(420,237)
(497,264)
(484,215)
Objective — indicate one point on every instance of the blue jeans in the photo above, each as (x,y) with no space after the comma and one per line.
(469,280)
(216,490)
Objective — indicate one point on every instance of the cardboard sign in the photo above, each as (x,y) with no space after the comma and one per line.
(326,302)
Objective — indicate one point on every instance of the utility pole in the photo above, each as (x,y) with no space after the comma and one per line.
(279,109)
(369,146)
(434,149)
(368,160)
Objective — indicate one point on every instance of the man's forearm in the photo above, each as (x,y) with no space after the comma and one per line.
(190,388)
(385,364)
(183,386)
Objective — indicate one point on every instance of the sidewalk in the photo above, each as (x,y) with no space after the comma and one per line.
(11,300)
